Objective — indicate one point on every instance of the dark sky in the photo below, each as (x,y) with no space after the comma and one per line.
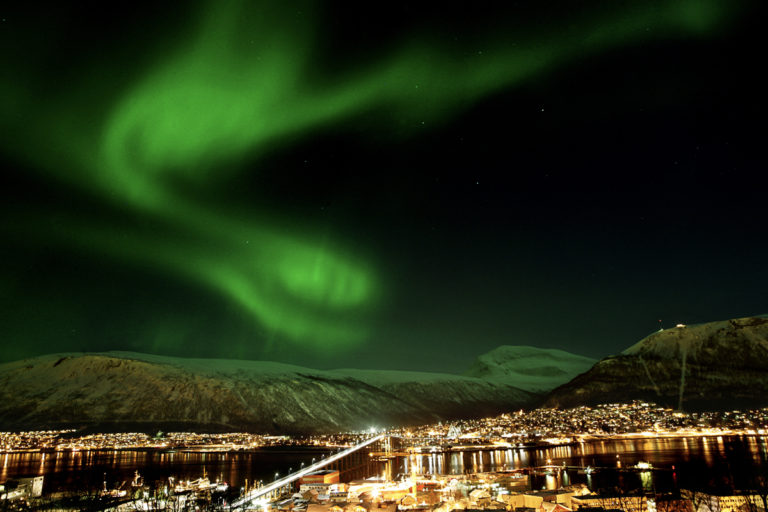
(382,187)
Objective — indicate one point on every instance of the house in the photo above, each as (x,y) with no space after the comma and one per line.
(513,500)
(625,502)
(559,496)
(551,506)
(706,502)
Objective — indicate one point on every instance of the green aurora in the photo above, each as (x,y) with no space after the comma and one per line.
(237,83)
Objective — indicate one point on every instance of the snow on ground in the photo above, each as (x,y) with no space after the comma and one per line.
(385,377)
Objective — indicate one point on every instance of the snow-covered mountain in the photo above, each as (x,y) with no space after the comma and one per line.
(127,390)
(530,368)
(713,365)
(743,341)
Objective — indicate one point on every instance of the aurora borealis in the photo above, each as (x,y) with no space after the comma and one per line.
(238,179)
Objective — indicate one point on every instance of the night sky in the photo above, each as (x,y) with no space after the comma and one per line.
(377,185)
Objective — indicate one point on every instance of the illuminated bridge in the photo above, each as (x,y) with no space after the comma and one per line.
(258,496)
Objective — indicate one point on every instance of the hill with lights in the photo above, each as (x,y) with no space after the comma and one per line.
(715,365)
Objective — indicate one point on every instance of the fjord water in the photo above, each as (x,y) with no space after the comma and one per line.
(717,462)
(90,470)
(680,462)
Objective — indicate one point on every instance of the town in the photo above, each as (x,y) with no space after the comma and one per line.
(544,426)
(560,426)
(373,483)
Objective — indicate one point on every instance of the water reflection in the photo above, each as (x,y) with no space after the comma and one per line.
(697,461)
(646,480)
(87,470)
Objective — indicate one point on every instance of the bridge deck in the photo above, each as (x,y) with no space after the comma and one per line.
(257,494)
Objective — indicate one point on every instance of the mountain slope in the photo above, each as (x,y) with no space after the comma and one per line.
(711,366)
(529,368)
(114,389)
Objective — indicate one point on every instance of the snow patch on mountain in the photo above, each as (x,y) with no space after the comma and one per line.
(706,341)
(530,368)
(390,377)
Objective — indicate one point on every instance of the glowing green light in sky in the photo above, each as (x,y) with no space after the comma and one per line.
(246,83)
(238,88)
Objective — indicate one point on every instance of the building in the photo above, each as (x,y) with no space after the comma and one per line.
(324,476)
(320,481)
(627,503)
(22,488)
(353,507)
(339,494)
(705,502)
(559,496)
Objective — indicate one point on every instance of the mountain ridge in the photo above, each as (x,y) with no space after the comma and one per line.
(708,366)
(109,388)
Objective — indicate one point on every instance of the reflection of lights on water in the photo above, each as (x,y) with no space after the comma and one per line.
(707,452)
(646,479)
(763,447)
(457,464)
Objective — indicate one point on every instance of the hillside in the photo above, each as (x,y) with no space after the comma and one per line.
(115,389)
(530,368)
(714,365)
